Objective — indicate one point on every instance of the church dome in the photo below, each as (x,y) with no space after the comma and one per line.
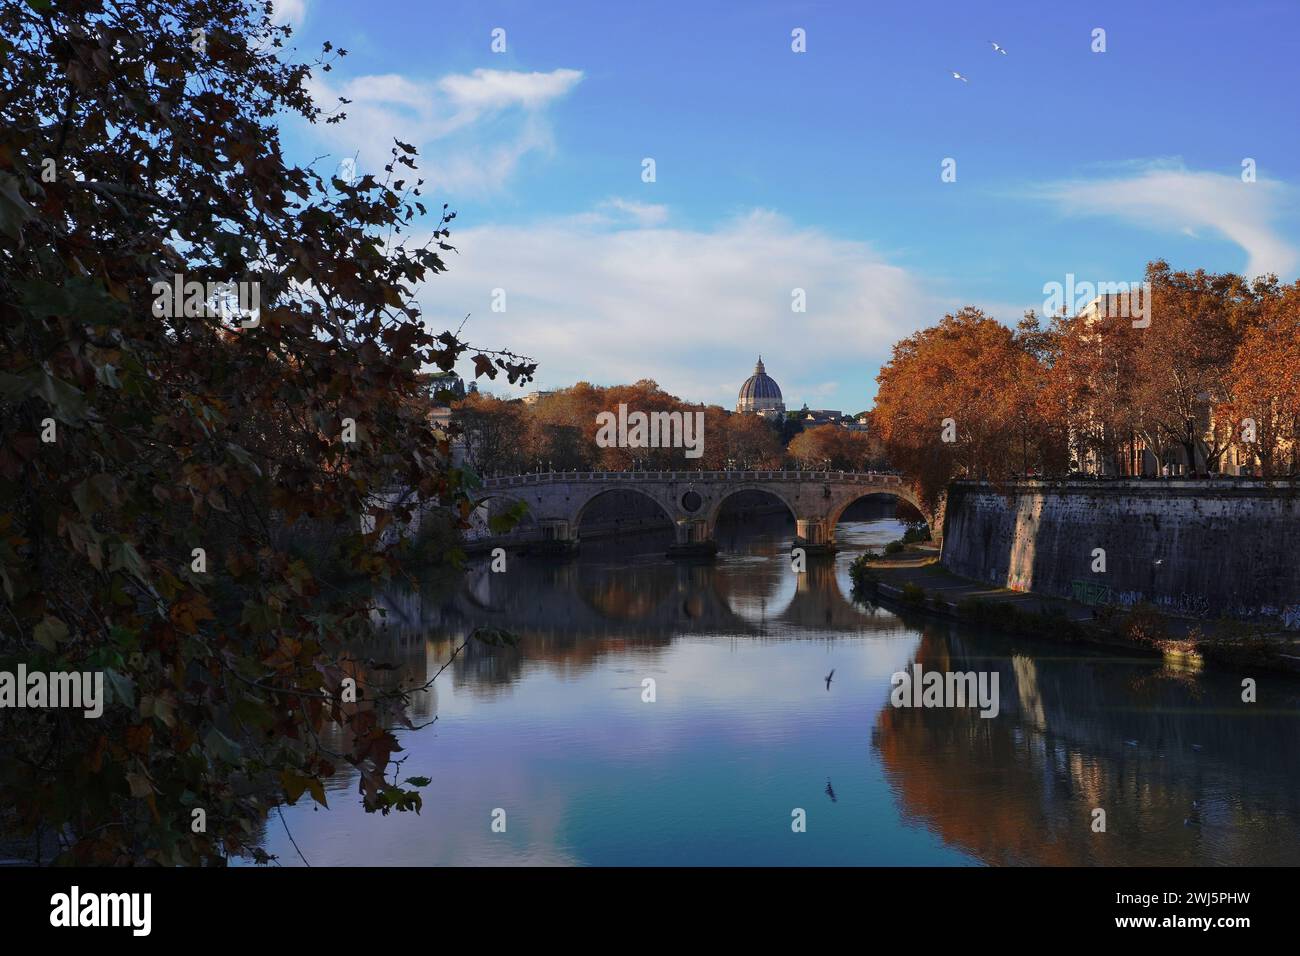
(760,393)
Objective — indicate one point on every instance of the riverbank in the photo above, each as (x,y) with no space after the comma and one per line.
(914,578)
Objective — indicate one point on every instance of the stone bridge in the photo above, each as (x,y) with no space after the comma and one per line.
(692,500)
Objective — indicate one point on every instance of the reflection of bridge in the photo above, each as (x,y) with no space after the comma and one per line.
(657,601)
(692,500)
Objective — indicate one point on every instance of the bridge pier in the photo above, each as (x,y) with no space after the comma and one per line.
(692,539)
(557,538)
(814,535)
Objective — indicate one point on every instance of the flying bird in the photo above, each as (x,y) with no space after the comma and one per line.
(828,678)
(958,76)
(830,791)
(998,49)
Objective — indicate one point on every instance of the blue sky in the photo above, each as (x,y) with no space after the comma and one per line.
(777,170)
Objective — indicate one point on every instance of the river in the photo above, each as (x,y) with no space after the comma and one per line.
(555,742)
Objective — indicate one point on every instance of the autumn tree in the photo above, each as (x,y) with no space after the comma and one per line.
(1261,415)
(949,399)
(642,396)
(150,448)
(1184,356)
(746,441)
(562,427)
(1039,431)
(1091,381)
(833,447)
(559,431)
(493,432)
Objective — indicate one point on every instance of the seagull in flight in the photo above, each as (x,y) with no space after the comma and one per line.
(998,49)
(828,678)
(958,76)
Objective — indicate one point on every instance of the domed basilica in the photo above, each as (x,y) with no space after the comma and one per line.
(760,395)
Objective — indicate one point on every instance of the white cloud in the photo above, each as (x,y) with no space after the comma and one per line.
(690,308)
(485,90)
(619,211)
(1166,196)
(292,12)
(390,106)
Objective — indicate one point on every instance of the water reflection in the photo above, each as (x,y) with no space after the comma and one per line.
(743,730)
(1185,772)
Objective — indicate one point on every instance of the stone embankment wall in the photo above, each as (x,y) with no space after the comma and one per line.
(1203,548)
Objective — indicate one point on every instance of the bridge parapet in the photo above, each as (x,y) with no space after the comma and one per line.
(605,477)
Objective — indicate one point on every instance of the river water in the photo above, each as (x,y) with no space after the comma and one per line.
(554,740)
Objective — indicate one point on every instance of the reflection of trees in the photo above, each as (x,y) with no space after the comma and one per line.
(487,671)
(1021,788)
(628,597)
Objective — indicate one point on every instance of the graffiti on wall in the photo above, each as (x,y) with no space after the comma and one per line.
(1091,593)
(1094,594)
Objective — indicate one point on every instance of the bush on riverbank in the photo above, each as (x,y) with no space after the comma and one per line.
(861,574)
(1235,641)
(894,547)
(1004,616)
(995,614)
(1144,625)
(913,594)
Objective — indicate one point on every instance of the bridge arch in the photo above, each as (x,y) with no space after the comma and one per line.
(576,513)
(765,488)
(899,491)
